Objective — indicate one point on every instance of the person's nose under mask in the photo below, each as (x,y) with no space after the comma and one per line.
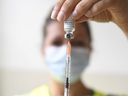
(55,58)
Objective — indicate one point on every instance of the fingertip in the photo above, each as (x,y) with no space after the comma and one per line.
(54,15)
(74,14)
(61,16)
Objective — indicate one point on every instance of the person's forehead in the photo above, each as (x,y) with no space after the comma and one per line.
(54,29)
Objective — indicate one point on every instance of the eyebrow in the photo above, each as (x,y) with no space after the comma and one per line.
(57,41)
(78,43)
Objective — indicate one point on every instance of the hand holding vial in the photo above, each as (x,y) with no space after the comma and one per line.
(97,10)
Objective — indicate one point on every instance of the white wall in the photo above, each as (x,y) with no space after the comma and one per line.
(22,24)
(1,46)
(22,20)
(108,71)
(111,48)
(22,68)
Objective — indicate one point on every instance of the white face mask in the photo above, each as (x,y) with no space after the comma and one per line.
(55,58)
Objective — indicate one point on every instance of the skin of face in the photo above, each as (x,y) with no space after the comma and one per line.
(55,36)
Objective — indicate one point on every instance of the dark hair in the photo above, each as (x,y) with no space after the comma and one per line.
(49,20)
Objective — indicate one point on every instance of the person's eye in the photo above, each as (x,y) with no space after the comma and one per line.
(57,43)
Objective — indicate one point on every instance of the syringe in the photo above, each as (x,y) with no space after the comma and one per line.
(69,28)
(67,70)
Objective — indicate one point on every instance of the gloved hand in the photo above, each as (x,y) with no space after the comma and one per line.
(97,10)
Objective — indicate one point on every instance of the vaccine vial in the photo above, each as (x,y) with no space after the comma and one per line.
(69,28)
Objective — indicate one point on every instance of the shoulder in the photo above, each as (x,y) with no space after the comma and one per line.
(38,91)
(96,93)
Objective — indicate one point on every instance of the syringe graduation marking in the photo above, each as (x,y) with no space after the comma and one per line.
(67,83)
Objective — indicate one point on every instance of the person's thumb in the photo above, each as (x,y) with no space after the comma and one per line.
(98,9)
(104,16)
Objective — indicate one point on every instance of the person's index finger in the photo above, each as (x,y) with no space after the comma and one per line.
(57,8)
(66,9)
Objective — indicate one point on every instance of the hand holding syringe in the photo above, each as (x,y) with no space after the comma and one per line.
(69,28)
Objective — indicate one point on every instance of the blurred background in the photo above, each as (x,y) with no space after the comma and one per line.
(21,62)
